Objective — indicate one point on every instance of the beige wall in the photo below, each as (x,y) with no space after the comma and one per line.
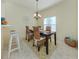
(16,15)
(66,15)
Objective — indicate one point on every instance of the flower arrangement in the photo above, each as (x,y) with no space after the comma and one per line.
(3,21)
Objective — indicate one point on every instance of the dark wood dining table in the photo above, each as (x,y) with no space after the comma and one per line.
(46,35)
(47,38)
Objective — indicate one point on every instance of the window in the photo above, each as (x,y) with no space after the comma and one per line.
(50,21)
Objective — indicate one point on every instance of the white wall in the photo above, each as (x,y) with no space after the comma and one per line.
(66,13)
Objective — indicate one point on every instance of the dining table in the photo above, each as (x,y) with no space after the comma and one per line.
(46,35)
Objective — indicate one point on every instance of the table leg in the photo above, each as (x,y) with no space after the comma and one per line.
(47,45)
(55,38)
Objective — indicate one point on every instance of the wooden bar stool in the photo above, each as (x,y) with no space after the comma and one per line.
(13,42)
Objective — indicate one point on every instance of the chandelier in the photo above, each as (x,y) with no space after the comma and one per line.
(37,15)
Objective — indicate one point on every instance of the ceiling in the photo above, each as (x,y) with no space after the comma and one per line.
(31,4)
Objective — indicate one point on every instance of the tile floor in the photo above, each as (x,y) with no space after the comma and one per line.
(61,51)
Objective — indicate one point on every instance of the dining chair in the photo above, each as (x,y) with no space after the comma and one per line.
(48,29)
(29,34)
(38,41)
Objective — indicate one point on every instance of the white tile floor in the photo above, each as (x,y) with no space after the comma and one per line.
(61,51)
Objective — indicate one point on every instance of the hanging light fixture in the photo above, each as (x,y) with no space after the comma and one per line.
(37,15)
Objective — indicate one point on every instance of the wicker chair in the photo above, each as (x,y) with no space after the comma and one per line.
(38,41)
(29,34)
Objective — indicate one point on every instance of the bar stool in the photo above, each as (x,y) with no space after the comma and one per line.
(13,42)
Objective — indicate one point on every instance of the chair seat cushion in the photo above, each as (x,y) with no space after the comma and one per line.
(40,41)
(30,34)
(41,38)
